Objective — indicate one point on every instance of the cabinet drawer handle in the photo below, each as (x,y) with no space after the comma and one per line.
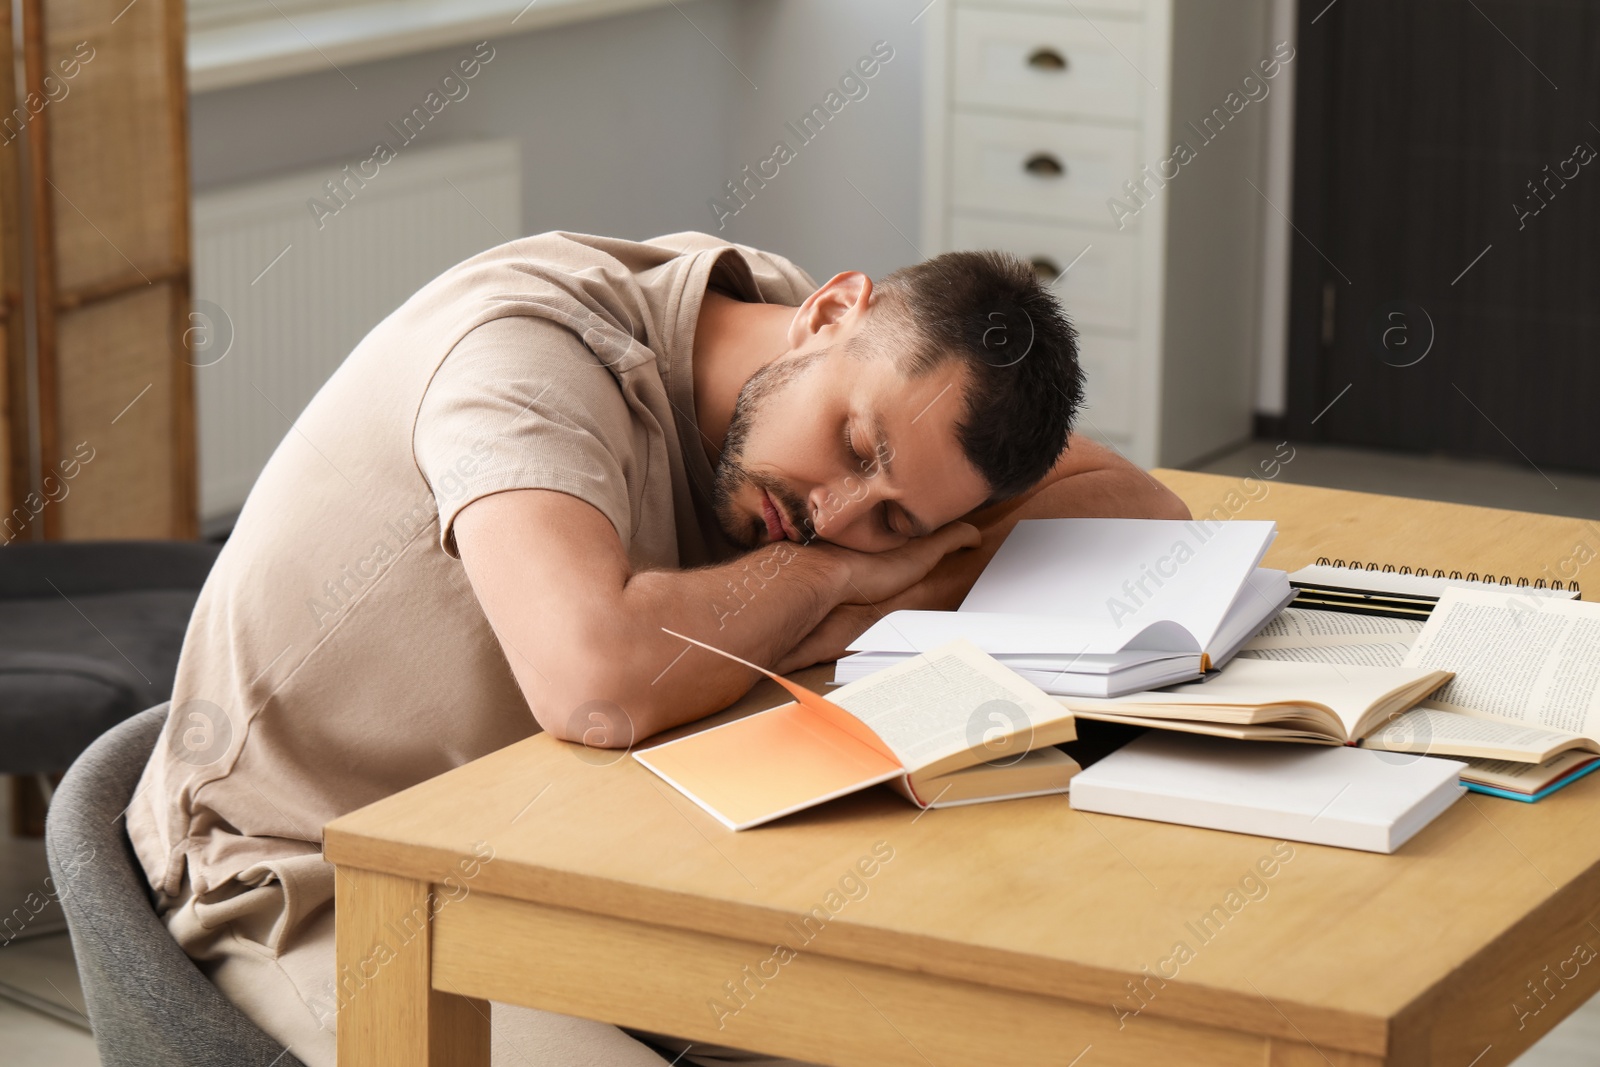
(1044,165)
(1047,59)
(1046,268)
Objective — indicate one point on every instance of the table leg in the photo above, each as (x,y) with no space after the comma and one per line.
(389,1014)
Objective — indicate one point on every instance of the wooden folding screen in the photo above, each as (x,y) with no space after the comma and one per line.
(107,202)
(14,453)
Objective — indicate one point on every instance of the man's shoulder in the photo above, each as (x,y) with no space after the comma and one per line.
(769,267)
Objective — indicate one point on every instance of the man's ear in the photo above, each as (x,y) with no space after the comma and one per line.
(841,303)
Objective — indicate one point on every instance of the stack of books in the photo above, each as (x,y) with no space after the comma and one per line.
(954,726)
(1506,679)
(1100,607)
(1523,706)
(1171,626)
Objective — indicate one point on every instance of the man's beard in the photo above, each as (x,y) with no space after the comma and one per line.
(731,475)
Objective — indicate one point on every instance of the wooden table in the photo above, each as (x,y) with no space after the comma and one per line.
(1018,933)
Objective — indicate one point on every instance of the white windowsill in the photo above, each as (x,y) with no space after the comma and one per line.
(224,56)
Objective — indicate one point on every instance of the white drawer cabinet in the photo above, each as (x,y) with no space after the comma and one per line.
(1056,170)
(1094,273)
(1102,284)
(1041,118)
(1061,63)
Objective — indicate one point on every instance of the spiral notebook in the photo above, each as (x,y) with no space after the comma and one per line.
(1401,592)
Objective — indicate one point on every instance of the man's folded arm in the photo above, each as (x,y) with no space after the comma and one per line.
(582,631)
(1090,480)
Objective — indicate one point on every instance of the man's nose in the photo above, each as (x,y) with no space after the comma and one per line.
(837,507)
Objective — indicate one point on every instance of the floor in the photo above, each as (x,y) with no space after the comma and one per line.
(41,1006)
(41,1020)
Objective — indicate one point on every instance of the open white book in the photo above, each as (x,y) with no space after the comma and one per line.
(1526,685)
(1097,607)
(1268,701)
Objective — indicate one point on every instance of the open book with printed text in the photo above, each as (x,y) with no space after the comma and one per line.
(949,726)
(1264,700)
(1527,679)
(1523,707)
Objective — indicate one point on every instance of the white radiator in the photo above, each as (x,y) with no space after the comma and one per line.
(288,277)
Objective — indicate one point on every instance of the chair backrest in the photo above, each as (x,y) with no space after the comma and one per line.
(148,1003)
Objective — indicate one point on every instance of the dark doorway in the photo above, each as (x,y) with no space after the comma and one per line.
(1445,294)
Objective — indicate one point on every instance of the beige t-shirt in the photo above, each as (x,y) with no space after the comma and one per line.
(337,653)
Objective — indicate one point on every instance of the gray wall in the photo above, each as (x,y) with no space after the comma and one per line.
(629,125)
(851,199)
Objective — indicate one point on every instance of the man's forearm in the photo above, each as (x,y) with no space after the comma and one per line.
(757,606)
(580,628)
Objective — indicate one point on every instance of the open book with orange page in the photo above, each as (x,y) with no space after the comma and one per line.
(951,725)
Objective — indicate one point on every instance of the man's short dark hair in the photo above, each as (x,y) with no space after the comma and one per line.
(991,311)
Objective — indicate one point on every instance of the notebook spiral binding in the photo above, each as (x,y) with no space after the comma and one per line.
(1470,576)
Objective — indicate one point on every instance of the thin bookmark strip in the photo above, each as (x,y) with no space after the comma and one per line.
(1349,608)
(830,712)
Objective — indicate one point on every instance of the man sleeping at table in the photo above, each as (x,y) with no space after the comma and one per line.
(480,525)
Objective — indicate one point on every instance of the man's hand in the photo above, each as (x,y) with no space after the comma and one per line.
(832,636)
(872,577)
(848,621)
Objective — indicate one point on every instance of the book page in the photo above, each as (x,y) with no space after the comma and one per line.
(1450,733)
(1380,654)
(911,630)
(949,701)
(1529,660)
(1122,575)
(819,705)
(1266,593)
(1310,628)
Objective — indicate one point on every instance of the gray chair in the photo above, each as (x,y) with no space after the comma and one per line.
(89,634)
(148,1003)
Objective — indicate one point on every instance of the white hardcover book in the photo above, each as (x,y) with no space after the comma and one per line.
(1042,649)
(1348,797)
(1095,587)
